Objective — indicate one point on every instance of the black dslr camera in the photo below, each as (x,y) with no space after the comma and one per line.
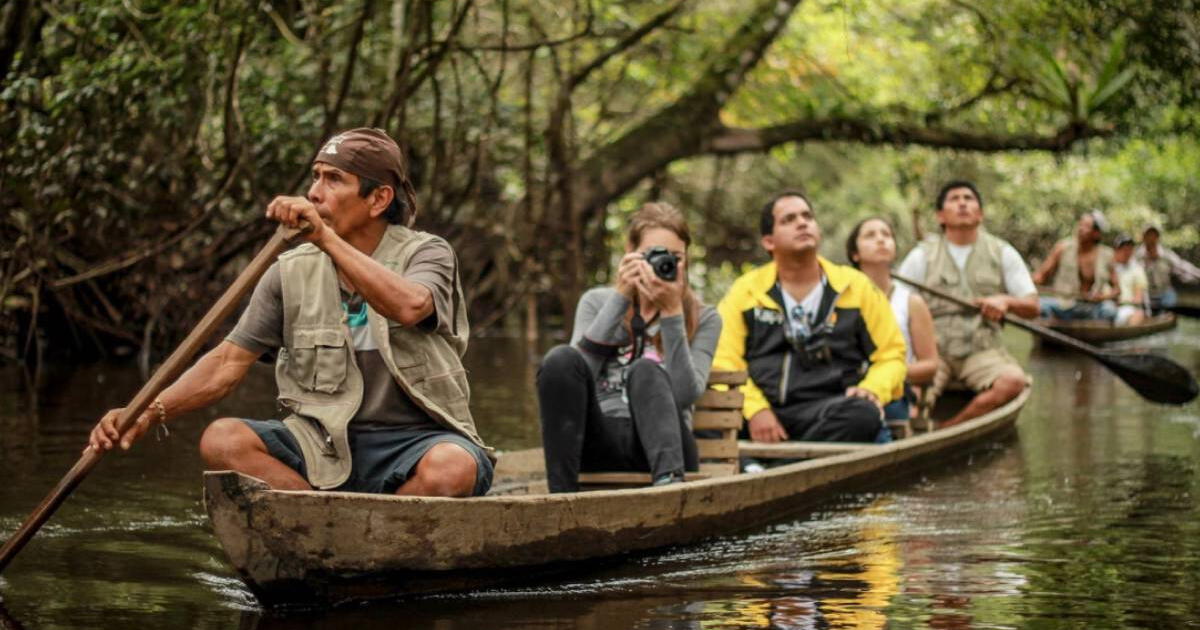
(664,263)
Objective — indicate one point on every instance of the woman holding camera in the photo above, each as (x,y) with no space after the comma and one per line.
(619,396)
(871,248)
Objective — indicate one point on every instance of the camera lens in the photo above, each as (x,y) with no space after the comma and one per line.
(663,262)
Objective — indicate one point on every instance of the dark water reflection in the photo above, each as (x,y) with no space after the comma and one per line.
(1089,518)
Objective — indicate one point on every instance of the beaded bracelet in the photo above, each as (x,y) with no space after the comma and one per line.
(161,409)
(162,418)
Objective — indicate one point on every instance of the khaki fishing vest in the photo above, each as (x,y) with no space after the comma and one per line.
(962,332)
(318,377)
(1158,274)
(1066,277)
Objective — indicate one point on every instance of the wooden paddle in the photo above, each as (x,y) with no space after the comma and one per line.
(163,376)
(1186,310)
(1155,377)
(1188,301)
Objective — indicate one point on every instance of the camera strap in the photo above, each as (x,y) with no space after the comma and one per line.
(815,320)
(828,297)
(638,324)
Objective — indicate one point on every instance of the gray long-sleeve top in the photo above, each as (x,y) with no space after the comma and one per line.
(600,316)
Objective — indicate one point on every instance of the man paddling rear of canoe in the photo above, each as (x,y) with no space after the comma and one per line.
(1082,272)
(1161,264)
(370,327)
(819,340)
(967,261)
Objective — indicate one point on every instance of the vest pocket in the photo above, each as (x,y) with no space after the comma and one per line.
(948,281)
(407,352)
(985,280)
(450,390)
(317,359)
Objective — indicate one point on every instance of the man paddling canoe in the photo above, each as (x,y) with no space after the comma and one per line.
(1161,264)
(967,261)
(370,325)
(1082,274)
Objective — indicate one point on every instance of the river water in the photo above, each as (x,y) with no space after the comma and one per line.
(1088,517)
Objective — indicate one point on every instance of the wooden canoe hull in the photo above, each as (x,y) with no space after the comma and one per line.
(321,548)
(1102,332)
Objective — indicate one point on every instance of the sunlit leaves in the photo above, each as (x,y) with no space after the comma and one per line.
(1069,84)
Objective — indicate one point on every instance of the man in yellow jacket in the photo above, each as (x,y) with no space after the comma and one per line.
(819,340)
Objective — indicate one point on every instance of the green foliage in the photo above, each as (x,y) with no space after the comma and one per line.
(1032,200)
(144,139)
(1079,97)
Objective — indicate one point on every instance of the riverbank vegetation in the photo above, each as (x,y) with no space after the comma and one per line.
(143,139)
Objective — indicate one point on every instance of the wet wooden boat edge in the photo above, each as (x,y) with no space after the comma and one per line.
(320,548)
(1103,332)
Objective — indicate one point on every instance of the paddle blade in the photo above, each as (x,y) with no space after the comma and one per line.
(1156,378)
(1185,310)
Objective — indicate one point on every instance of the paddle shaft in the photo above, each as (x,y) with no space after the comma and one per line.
(162,377)
(1015,321)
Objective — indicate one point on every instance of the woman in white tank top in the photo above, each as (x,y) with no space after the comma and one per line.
(871,247)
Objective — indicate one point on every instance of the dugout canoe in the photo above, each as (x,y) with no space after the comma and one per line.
(1092,331)
(308,548)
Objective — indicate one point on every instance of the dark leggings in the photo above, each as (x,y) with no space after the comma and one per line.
(577,436)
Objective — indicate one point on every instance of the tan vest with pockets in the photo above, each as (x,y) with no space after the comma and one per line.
(1066,277)
(962,332)
(1158,275)
(318,377)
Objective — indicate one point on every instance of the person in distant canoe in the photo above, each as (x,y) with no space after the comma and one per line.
(619,396)
(871,248)
(370,326)
(1161,264)
(819,340)
(1081,270)
(967,261)
(1133,286)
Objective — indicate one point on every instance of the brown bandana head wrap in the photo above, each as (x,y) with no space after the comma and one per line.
(372,154)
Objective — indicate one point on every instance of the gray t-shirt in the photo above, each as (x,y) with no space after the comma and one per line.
(600,317)
(384,403)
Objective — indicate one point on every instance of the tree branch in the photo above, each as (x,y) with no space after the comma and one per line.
(12,22)
(233,126)
(680,128)
(729,141)
(118,263)
(331,120)
(402,84)
(996,84)
(505,47)
(626,43)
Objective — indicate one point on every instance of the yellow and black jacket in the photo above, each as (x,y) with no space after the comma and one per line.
(866,346)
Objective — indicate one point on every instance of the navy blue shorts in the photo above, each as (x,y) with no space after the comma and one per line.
(382,458)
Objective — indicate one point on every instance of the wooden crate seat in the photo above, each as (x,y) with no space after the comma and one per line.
(716,418)
(900,428)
